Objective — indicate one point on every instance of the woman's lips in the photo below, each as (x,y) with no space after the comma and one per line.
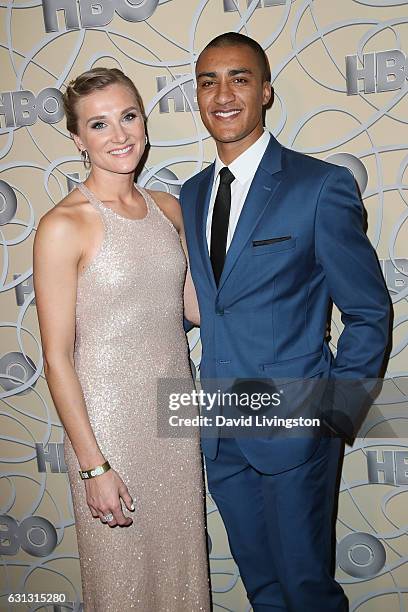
(122,152)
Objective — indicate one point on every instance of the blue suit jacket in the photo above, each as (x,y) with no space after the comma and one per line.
(268,316)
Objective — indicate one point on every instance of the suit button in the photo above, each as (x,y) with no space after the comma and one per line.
(219,312)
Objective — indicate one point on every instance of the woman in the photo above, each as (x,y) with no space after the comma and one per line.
(110,275)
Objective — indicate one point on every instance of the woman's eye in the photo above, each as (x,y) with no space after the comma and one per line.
(130,117)
(98,125)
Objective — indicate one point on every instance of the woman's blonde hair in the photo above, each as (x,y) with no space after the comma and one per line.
(90,81)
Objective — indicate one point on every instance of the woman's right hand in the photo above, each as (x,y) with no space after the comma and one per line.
(103,495)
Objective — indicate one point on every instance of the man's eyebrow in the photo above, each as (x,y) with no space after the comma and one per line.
(232,72)
(210,75)
(236,71)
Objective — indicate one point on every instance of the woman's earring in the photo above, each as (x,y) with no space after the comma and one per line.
(85,159)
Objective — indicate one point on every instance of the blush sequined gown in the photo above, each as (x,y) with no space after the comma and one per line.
(129,332)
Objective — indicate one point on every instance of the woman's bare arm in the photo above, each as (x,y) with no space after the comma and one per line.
(58,248)
(57,251)
(171,208)
(191,308)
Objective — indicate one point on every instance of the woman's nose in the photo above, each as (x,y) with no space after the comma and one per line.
(119,134)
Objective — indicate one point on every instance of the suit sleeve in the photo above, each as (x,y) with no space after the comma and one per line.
(353,276)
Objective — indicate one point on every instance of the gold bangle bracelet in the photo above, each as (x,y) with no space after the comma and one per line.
(96,471)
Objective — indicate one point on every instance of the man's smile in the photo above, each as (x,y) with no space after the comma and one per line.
(226,114)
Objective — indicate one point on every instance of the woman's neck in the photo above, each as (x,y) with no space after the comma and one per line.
(111,186)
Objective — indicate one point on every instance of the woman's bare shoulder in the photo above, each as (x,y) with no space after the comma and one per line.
(169,205)
(70,214)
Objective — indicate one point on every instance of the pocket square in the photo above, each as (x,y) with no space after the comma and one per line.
(256,243)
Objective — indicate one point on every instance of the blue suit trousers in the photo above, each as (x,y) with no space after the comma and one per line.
(280,527)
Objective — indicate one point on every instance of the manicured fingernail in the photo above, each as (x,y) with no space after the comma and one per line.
(132,507)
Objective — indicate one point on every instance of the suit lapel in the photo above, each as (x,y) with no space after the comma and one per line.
(263,188)
(203,197)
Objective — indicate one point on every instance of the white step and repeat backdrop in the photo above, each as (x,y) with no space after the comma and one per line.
(339,69)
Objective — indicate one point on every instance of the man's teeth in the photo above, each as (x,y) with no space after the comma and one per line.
(227,113)
(121,151)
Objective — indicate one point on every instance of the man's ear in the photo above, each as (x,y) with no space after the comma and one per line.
(267,94)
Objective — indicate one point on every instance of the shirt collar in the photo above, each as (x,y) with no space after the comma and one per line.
(246,164)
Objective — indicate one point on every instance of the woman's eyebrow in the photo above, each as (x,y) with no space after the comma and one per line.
(101,117)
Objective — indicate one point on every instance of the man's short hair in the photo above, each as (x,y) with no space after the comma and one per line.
(233,39)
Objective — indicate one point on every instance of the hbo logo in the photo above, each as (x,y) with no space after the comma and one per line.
(20,108)
(382,71)
(94,13)
(35,535)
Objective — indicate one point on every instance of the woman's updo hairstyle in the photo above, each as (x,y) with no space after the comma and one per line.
(90,81)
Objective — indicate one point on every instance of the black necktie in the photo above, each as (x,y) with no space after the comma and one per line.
(220,222)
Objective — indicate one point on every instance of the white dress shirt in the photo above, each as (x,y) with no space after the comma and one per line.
(243,168)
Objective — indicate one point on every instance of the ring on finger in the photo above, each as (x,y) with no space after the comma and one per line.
(108,517)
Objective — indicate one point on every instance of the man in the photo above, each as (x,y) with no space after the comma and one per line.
(273,237)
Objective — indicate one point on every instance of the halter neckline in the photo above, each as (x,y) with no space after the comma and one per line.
(94,199)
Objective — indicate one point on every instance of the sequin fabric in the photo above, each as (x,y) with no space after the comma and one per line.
(129,332)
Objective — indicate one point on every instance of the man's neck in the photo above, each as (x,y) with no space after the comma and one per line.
(229,151)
